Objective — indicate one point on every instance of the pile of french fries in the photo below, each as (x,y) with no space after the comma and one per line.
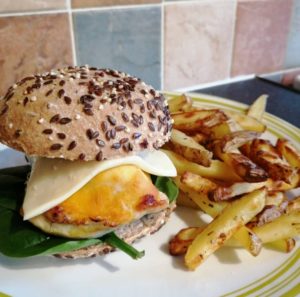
(228,170)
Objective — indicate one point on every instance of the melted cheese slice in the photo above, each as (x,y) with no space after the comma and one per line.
(52,181)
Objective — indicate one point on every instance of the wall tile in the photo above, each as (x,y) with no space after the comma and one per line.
(261,35)
(292,58)
(126,39)
(198,42)
(31,44)
(95,3)
(30,5)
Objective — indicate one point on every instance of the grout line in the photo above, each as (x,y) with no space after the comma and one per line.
(216,83)
(86,9)
(162,48)
(233,38)
(71,27)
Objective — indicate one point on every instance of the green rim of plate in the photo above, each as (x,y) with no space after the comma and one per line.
(284,279)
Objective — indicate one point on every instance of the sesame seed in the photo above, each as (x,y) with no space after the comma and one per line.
(33,98)
(92,134)
(10,125)
(48,93)
(41,121)
(61,135)
(64,121)
(127,130)
(81,156)
(99,156)
(55,146)
(50,138)
(100,142)
(77,117)
(47,131)
(100,107)
(14,86)
(72,145)
(111,120)
(55,118)
(71,79)
(60,93)
(77,75)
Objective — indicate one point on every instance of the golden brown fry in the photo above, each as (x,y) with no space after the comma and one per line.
(180,103)
(279,185)
(293,205)
(289,152)
(232,218)
(188,148)
(286,226)
(198,183)
(246,122)
(223,193)
(275,198)
(242,166)
(200,199)
(263,153)
(257,109)
(197,120)
(231,142)
(216,170)
(220,130)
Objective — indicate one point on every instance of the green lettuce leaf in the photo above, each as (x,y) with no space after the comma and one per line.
(167,186)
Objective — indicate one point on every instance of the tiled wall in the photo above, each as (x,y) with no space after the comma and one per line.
(169,44)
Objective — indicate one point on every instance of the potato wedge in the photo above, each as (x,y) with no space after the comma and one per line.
(180,103)
(194,121)
(257,109)
(263,153)
(285,245)
(200,199)
(232,218)
(179,244)
(216,170)
(231,142)
(188,148)
(223,193)
(242,165)
(286,226)
(246,122)
(198,183)
(275,198)
(289,152)
(293,205)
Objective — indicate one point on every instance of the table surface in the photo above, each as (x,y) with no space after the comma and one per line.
(282,102)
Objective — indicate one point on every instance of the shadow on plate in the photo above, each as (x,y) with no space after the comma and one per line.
(40,262)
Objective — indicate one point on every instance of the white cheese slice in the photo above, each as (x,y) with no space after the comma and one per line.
(54,180)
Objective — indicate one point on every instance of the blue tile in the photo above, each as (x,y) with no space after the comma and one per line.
(125,39)
(293,47)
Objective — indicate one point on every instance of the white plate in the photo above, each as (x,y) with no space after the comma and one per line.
(230,272)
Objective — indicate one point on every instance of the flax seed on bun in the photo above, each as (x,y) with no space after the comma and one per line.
(82,113)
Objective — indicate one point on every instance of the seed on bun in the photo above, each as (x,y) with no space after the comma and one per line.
(83,113)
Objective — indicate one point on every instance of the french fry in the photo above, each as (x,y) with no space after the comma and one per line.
(196,120)
(275,198)
(191,150)
(244,236)
(257,109)
(243,166)
(293,205)
(220,130)
(180,103)
(216,170)
(200,199)
(286,226)
(232,141)
(246,122)
(233,217)
(198,183)
(289,152)
(285,245)
(223,193)
(265,155)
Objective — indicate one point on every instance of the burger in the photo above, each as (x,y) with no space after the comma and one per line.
(97,174)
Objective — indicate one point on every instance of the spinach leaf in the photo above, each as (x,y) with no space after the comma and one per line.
(115,241)
(20,171)
(167,186)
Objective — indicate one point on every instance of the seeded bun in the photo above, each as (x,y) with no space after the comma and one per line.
(82,113)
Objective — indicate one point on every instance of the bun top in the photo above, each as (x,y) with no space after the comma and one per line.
(83,113)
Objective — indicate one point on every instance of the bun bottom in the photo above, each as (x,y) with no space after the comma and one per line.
(147,225)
